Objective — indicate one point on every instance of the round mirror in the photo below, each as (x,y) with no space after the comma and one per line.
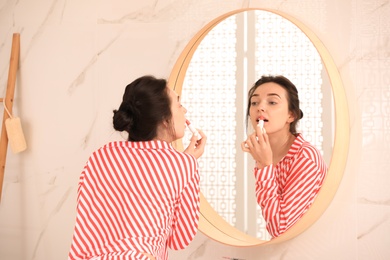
(237,51)
(216,67)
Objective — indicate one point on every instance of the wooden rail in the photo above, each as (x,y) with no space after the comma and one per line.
(8,99)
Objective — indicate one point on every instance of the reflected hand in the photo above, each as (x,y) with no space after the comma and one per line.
(259,147)
(196,147)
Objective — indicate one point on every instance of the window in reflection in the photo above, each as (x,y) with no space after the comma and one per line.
(208,94)
(229,60)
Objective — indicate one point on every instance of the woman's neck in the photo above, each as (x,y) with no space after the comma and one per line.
(163,134)
(280,145)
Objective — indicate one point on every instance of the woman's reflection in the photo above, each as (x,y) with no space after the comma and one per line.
(289,171)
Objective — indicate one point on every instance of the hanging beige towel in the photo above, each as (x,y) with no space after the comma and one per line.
(15,134)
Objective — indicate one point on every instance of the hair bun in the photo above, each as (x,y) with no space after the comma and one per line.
(123,120)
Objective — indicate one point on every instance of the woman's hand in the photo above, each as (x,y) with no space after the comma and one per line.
(196,147)
(259,147)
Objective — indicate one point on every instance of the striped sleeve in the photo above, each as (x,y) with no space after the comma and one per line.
(186,217)
(286,192)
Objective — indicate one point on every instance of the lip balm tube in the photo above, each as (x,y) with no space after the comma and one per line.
(261,124)
(193,129)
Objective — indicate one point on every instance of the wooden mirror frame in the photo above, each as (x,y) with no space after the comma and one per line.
(211,223)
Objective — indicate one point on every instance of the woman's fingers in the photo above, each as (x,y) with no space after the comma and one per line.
(196,147)
(245,147)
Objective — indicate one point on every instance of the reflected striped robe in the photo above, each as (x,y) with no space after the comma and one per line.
(136,197)
(286,191)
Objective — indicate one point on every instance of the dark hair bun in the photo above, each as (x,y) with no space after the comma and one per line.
(122,120)
(301,114)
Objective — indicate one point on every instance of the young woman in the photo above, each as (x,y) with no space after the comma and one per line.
(140,196)
(289,171)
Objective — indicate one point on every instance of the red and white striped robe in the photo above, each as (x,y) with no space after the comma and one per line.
(286,191)
(136,197)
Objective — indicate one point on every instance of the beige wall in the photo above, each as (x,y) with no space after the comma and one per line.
(77,57)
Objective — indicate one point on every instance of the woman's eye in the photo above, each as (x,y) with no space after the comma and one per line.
(254,103)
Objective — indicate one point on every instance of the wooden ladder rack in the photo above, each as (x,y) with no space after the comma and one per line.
(8,102)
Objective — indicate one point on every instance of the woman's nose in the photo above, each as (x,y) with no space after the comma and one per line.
(260,108)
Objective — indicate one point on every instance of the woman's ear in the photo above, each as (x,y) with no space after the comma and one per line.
(166,123)
(291,117)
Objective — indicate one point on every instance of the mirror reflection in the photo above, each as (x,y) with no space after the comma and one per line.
(231,57)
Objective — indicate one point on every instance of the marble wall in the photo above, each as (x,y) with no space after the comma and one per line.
(76,58)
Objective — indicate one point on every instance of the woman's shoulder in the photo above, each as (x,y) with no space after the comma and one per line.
(185,155)
(306,148)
